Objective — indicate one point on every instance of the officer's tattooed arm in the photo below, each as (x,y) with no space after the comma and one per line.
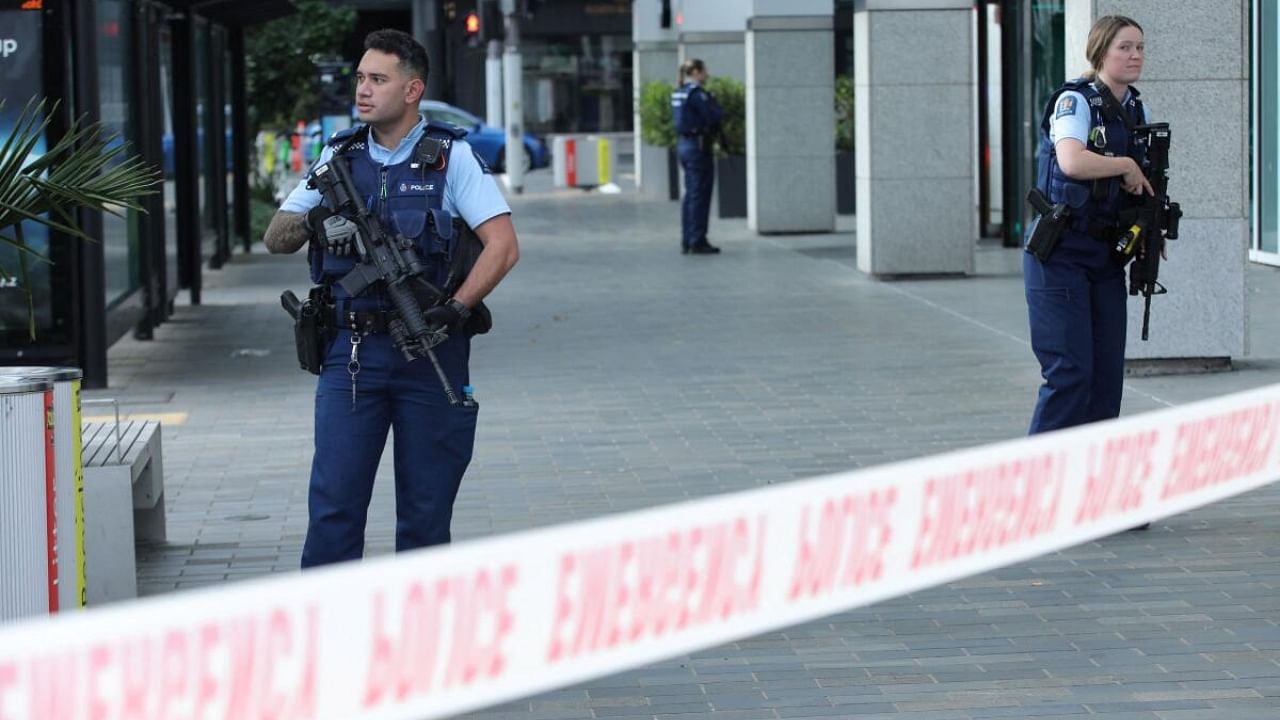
(287,233)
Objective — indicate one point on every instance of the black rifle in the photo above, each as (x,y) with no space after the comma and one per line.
(1157,221)
(390,259)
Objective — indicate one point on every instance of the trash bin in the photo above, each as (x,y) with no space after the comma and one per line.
(68,488)
(583,160)
(28,562)
(564,161)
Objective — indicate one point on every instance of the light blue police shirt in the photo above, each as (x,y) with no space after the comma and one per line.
(469,192)
(1072,118)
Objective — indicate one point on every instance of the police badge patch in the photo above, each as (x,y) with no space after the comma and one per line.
(1066,106)
(483,165)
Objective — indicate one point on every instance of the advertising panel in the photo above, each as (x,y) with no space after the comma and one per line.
(21,79)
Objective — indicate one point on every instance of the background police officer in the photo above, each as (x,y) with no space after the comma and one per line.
(366,386)
(696,116)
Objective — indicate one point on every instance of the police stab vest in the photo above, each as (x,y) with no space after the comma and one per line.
(685,122)
(407,198)
(1099,202)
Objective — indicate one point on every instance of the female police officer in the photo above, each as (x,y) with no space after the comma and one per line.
(696,116)
(1076,296)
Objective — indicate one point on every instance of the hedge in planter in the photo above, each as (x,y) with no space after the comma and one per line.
(658,129)
(731,160)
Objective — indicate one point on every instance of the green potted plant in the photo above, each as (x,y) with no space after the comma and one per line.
(83,169)
(731,158)
(658,130)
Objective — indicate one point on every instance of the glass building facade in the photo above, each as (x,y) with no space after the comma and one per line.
(159,77)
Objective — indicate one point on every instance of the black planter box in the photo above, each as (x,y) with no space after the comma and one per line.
(731,185)
(846,183)
(673,175)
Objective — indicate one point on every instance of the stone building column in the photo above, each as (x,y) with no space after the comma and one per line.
(1196,78)
(790,123)
(914,109)
(654,57)
(712,30)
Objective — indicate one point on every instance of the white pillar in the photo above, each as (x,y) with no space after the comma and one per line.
(1196,79)
(914,88)
(493,84)
(790,123)
(654,57)
(513,93)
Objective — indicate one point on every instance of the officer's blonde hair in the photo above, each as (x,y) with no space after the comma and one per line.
(1101,35)
(690,66)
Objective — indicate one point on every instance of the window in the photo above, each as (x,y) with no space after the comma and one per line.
(1266,132)
(119,234)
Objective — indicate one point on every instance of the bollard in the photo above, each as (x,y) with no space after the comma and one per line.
(68,473)
(28,560)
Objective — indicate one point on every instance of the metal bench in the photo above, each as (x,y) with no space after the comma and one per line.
(123,503)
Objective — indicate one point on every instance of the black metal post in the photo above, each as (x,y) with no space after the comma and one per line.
(240,140)
(185,147)
(91,317)
(984,121)
(216,142)
(145,119)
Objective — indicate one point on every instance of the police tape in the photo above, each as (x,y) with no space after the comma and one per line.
(437,632)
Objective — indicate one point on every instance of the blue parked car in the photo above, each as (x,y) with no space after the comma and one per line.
(490,143)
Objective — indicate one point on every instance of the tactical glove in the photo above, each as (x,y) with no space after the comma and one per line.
(340,235)
(450,316)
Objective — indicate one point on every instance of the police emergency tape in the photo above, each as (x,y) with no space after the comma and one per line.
(436,632)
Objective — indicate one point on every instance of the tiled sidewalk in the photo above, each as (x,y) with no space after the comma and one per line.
(622,375)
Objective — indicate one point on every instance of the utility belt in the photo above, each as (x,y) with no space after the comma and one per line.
(1057,218)
(317,320)
(364,322)
(704,139)
(1105,232)
(378,322)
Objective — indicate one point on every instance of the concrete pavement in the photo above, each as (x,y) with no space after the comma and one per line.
(622,375)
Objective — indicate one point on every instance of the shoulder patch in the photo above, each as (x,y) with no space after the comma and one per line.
(1066,106)
(484,166)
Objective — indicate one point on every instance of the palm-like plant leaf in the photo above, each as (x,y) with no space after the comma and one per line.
(82,169)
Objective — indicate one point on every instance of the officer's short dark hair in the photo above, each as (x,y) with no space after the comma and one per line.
(413,57)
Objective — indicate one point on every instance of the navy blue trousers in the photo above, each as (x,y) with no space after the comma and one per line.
(433,445)
(1076,305)
(699,178)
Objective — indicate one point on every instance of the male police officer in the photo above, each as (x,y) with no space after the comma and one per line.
(696,116)
(366,385)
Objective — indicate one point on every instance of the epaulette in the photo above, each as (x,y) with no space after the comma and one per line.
(442,127)
(341,136)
